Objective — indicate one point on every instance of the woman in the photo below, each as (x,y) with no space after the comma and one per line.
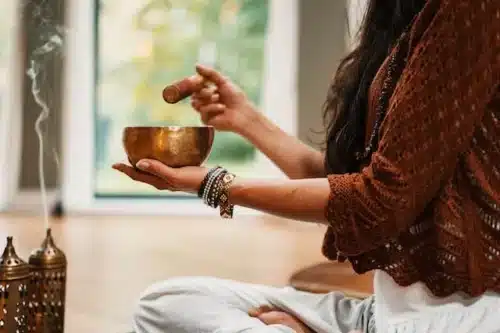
(410,187)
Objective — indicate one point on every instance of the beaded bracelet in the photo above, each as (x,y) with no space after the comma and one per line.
(213,177)
(226,208)
(208,178)
(214,192)
(203,184)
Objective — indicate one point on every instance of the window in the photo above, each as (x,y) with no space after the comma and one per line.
(10,112)
(160,42)
(143,45)
(356,10)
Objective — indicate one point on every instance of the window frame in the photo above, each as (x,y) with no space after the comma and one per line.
(356,10)
(11,115)
(280,79)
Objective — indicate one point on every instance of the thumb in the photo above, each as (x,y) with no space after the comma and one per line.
(211,75)
(273,318)
(255,312)
(156,168)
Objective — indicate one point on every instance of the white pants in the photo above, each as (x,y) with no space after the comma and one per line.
(208,305)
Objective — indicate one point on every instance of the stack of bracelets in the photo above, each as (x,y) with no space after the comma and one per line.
(214,191)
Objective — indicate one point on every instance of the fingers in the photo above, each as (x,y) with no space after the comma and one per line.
(207,102)
(208,94)
(211,75)
(197,103)
(260,310)
(201,100)
(213,119)
(157,169)
(142,177)
(275,317)
(208,112)
(204,97)
(212,108)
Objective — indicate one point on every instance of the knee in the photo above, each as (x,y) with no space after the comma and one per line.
(161,303)
(183,286)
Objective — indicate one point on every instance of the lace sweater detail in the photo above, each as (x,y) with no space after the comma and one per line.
(427,207)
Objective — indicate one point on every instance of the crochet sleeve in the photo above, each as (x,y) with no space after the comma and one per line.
(451,75)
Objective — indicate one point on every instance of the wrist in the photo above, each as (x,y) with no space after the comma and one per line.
(234,189)
(255,126)
(214,190)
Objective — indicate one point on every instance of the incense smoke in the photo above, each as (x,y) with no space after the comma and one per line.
(51,44)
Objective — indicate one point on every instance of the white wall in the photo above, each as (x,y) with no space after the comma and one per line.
(356,11)
(10,112)
(322,28)
(322,31)
(322,45)
(327,31)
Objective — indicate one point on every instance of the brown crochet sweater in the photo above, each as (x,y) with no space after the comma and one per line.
(427,207)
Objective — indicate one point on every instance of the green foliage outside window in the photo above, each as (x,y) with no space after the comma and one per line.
(167,38)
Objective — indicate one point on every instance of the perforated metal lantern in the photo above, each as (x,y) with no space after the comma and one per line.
(14,280)
(47,288)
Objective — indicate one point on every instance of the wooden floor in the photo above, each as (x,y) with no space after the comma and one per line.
(112,259)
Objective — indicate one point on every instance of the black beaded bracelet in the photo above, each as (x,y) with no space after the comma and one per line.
(205,181)
(210,183)
(202,187)
(215,190)
(226,207)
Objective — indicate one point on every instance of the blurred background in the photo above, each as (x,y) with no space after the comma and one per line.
(159,42)
(115,59)
(142,45)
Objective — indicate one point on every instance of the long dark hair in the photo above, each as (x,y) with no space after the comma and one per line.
(347,100)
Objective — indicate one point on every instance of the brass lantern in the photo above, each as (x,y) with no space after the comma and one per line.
(47,288)
(14,280)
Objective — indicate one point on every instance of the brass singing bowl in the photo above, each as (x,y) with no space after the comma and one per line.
(175,146)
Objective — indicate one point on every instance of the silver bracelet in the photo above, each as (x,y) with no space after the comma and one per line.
(209,185)
(216,190)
